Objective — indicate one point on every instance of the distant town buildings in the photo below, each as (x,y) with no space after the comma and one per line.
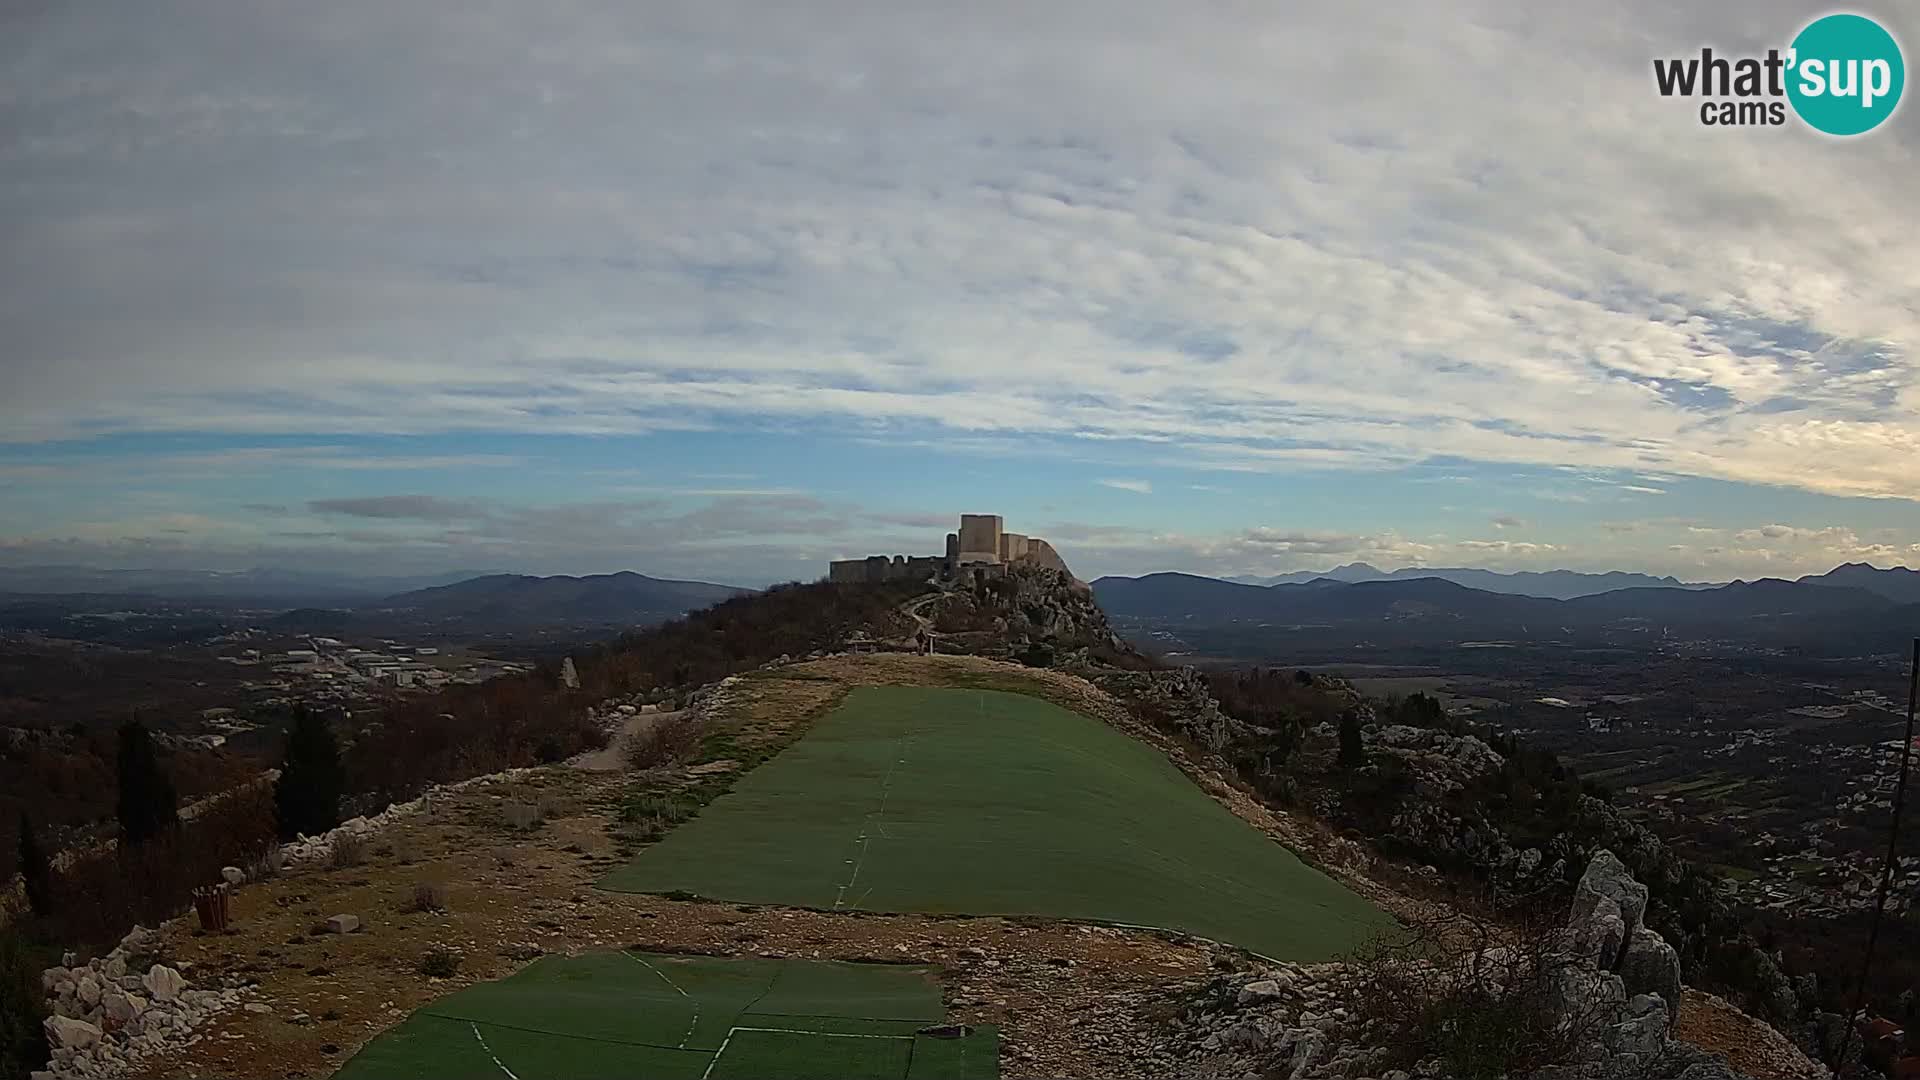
(982,542)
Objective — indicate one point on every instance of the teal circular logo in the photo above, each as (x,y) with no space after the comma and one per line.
(1845,74)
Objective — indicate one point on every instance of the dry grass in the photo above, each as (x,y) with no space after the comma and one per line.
(347,851)
(428,896)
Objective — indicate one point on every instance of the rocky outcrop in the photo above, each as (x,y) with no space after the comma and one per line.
(1177,700)
(1306,1024)
(108,1016)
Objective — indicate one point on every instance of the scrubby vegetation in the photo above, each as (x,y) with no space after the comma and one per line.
(1484,998)
(23,1007)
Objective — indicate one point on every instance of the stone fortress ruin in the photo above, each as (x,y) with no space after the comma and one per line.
(981,546)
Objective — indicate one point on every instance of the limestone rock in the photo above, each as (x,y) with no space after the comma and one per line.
(343,924)
(1651,966)
(233,875)
(1599,932)
(88,990)
(1260,992)
(121,1007)
(68,1033)
(164,983)
(1607,877)
(1644,1031)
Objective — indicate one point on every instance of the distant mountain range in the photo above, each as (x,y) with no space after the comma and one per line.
(508,599)
(1852,608)
(1549,584)
(1899,584)
(265,585)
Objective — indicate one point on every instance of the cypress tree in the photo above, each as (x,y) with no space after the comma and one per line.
(1352,753)
(306,798)
(35,868)
(148,805)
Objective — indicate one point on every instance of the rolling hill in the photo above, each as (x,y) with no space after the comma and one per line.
(597,598)
(1773,611)
(1546,584)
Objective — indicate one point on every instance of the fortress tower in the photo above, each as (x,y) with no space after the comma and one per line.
(980,538)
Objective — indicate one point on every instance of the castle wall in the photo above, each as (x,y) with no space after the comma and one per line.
(981,543)
(1041,553)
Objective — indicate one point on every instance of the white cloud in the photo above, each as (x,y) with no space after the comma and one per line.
(1140,487)
(1250,239)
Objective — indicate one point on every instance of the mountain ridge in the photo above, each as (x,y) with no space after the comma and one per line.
(559,597)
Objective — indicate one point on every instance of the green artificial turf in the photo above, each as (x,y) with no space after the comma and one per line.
(673,1017)
(990,803)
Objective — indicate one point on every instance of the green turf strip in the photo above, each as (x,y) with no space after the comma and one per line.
(870,991)
(976,1057)
(433,1046)
(757,1055)
(981,802)
(633,1014)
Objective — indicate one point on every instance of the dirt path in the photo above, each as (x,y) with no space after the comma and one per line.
(613,757)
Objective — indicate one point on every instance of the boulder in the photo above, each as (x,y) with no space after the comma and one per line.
(1775,991)
(53,977)
(1643,1033)
(1651,966)
(1608,878)
(88,990)
(233,875)
(343,924)
(1259,992)
(64,1032)
(164,983)
(1581,992)
(121,1007)
(1599,932)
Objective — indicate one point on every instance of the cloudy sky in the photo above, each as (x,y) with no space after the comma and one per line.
(725,289)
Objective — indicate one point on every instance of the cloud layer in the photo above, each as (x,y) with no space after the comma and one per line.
(1227,237)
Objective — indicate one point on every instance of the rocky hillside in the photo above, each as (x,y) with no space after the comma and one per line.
(1595,998)
(1024,610)
(1472,813)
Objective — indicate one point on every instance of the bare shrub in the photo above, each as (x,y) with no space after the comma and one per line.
(266,865)
(1486,1000)
(428,896)
(439,962)
(347,851)
(672,738)
(519,815)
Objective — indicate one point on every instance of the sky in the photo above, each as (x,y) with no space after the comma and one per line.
(724,290)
